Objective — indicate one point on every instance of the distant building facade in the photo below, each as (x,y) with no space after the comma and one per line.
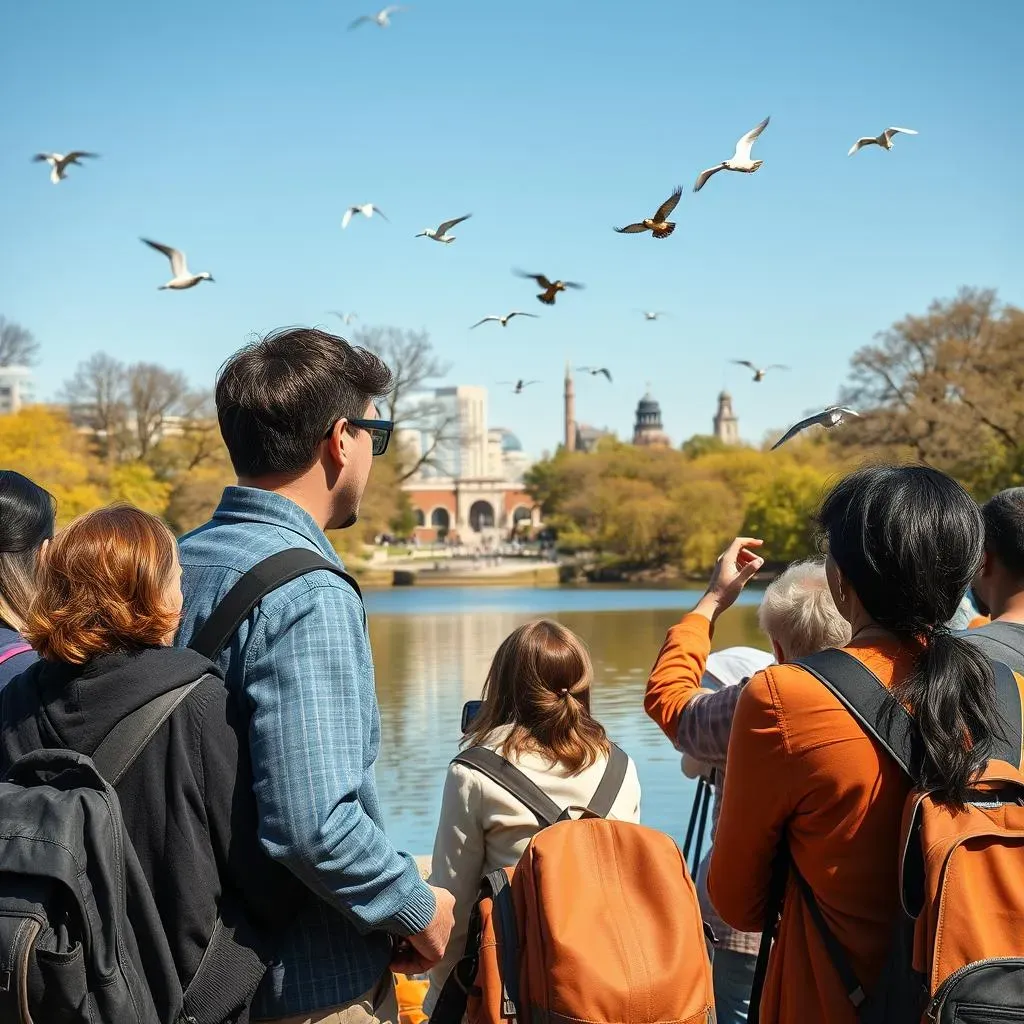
(727,426)
(471,489)
(15,388)
(648,431)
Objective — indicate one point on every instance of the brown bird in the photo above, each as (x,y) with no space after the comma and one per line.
(551,288)
(659,225)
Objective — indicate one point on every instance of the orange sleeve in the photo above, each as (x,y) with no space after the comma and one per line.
(977,621)
(757,802)
(675,678)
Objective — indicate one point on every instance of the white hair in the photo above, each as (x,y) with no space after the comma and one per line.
(798,613)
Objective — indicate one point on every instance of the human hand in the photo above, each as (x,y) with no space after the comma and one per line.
(735,567)
(418,953)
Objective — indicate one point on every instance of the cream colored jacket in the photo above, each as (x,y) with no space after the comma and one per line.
(484,828)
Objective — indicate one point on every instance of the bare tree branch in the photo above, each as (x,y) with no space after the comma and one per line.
(18,346)
(97,396)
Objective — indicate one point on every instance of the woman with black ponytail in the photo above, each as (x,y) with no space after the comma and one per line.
(902,546)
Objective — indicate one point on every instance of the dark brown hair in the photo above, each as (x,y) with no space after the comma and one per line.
(539,684)
(278,397)
(102,587)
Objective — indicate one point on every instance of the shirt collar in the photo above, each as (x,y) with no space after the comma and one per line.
(252,504)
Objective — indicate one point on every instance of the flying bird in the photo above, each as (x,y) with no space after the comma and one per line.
(759,373)
(831,417)
(740,160)
(519,385)
(551,288)
(440,234)
(59,162)
(183,277)
(652,314)
(367,210)
(503,320)
(595,371)
(659,225)
(382,19)
(345,318)
(884,140)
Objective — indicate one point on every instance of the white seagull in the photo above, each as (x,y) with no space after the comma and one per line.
(440,233)
(884,140)
(652,314)
(519,385)
(740,160)
(758,371)
(831,417)
(382,19)
(367,210)
(183,277)
(60,162)
(345,318)
(503,320)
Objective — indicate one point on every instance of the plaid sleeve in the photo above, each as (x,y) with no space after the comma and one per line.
(705,724)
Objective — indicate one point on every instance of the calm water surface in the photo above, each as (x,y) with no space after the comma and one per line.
(432,648)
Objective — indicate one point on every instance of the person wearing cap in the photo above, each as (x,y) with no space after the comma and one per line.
(692,695)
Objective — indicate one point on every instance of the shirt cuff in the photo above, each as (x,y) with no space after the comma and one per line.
(417,911)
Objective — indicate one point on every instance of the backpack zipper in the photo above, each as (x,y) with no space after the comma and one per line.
(939,999)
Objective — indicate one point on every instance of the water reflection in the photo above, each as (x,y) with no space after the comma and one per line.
(432,649)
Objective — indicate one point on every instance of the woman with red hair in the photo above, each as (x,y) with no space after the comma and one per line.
(105,611)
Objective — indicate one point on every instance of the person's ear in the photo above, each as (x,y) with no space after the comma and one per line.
(339,444)
(987,565)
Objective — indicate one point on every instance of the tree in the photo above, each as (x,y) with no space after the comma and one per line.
(97,398)
(154,394)
(18,346)
(414,364)
(945,387)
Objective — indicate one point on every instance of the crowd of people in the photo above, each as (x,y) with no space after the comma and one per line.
(253,810)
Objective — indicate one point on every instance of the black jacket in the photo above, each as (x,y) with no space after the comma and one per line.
(187,801)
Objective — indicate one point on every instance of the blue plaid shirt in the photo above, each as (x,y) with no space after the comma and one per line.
(303,661)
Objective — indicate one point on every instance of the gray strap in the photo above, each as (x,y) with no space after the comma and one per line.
(513,781)
(123,744)
(610,786)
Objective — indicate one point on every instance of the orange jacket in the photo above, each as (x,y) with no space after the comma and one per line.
(800,766)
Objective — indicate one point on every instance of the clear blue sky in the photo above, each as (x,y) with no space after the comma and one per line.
(239,132)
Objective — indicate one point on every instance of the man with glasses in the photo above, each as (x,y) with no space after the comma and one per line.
(297,414)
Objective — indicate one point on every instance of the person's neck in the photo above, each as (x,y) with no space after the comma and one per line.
(297,490)
(863,626)
(1010,608)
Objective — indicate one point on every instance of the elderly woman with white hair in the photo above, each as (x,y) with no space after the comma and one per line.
(692,695)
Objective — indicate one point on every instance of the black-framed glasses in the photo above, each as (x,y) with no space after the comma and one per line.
(379,430)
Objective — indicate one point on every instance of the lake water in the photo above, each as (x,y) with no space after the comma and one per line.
(432,648)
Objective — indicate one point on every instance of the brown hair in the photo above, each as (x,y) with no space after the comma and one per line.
(539,684)
(102,587)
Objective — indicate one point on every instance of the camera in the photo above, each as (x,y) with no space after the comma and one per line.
(469,711)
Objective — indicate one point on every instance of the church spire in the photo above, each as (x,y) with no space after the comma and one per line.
(570,410)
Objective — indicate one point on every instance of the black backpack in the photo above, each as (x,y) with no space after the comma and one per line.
(69,950)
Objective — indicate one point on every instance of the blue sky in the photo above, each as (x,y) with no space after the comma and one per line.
(239,132)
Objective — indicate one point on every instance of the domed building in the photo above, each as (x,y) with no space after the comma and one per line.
(647,430)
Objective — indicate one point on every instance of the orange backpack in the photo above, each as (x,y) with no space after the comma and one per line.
(599,922)
(958,951)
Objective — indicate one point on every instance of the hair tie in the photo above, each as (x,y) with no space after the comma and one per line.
(564,692)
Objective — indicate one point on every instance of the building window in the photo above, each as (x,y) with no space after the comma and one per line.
(481,516)
(440,519)
(418,516)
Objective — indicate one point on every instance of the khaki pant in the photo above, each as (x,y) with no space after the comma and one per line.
(378,1006)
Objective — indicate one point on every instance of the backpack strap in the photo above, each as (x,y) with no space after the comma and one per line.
(1008,746)
(13,649)
(247,592)
(867,698)
(608,789)
(513,781)
(123,744)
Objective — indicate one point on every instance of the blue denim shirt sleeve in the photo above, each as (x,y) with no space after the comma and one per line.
(313,737)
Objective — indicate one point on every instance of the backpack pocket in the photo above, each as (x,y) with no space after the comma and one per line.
(58,985)
(981,992)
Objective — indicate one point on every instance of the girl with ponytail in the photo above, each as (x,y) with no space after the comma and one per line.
(902,546)
(536,714)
